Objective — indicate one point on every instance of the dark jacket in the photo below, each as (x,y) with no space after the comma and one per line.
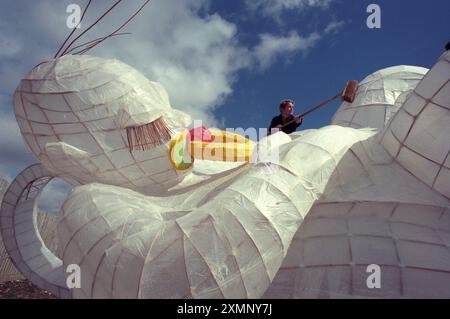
(278,120)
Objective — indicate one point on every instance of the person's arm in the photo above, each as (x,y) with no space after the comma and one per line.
(298,122)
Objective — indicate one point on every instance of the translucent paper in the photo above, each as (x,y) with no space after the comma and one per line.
(373,188)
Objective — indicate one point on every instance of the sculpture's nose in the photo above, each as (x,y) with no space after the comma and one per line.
(222,146)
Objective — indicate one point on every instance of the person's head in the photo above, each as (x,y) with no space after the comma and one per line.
(447,47)
(287,107)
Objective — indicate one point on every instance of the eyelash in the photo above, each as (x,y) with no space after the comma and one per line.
(148,136)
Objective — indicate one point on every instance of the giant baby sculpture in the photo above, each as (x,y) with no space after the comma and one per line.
(373,188)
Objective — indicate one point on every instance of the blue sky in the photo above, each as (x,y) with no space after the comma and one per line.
(227,62)
(412,33)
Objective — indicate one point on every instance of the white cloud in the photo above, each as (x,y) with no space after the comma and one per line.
(9,46)
(272,47)
(334,27)
(195,55)
(274,8)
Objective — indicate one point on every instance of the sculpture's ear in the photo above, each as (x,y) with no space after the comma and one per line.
(62,155)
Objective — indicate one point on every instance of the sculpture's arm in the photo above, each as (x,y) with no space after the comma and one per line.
(417,137)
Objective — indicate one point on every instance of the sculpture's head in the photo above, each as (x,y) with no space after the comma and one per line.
(379,97)
(90,119)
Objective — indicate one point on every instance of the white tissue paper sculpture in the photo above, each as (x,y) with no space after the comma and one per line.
(374,188)
(78,115)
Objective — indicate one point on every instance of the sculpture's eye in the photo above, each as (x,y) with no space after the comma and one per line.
(147,136)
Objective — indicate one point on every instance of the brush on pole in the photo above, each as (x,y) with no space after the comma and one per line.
(347,95)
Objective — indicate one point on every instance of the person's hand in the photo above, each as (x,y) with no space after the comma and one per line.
(298,119)
(279,127)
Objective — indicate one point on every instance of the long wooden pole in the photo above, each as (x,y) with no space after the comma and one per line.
(313,109)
